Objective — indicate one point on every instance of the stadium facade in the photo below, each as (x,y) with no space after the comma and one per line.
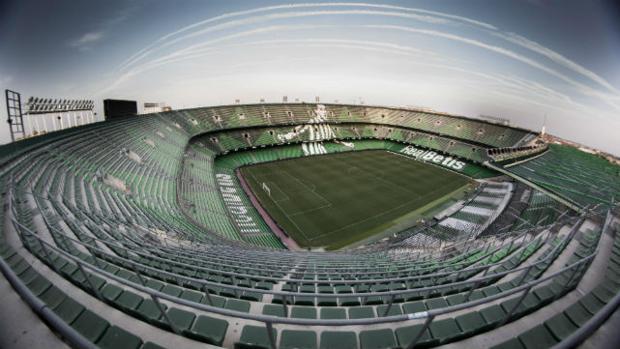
(137,233)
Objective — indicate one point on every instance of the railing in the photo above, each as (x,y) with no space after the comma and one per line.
(40,308)
(269,321)
(586,330)
(363,295)
(338,269)
(484,268)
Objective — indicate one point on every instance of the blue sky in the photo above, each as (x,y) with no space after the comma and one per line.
(519,60)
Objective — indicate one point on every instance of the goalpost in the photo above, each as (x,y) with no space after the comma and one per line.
(266,189)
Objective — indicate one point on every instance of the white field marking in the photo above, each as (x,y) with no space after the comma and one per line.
(299,230)
(282,210)
(276,188)
(288,216)
(312,190)
(375,216)
(310,210)
(387,182)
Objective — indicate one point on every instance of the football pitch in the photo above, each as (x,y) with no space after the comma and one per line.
(331,201)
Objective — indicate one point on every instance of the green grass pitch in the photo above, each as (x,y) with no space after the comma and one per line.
(331,201)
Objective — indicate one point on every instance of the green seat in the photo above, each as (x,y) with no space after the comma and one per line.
(298,339)
(537,337)
(406,334)
(172,290)
(216,301)
(578,314)
(394,310)
(128,301)
(436,303)
(361,313)
(378,339)
(69,310)
(602,293)
(253,337)
(90,325)
(545,294)
(208,329)
(493,315)
(490,290)
(591,303)
(456,299)
(53,297)
(238,305)
(445,330)
(304,300)
(155,284)
(149,311)
(110,292)
(303,312)
(333,313)
(471,323)
(192,296)
(181,319)
(350,302)
(560,326)
(116,337)
(338,340)
(414,307)
(151,345)
(325,289)
(512,343)
(273,310)
(327,301)
(38,285)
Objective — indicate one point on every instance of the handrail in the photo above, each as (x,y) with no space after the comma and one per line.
(586,330)
(40,308)
(475,282)
(429,315)
(324,281)
(337,270)
(292,256)
(299,281)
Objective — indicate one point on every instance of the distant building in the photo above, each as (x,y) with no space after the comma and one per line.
(155,108)
(115,108)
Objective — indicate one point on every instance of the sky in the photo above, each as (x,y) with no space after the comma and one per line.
(552,62)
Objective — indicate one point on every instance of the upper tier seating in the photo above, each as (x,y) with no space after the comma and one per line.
(117,232)
(578,176)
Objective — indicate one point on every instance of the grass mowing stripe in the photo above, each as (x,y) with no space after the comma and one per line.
(337,199)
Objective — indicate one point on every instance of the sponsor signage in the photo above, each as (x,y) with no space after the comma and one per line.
(235,205)
(434,157)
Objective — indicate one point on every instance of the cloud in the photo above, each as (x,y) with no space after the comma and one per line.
(5,80)
(194,29)
(608,98)
(84,41)
(87,39)
(556,58)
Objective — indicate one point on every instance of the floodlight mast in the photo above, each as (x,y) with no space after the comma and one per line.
(15,118)
(43,108)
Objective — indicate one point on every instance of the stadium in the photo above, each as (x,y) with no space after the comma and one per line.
(303,225)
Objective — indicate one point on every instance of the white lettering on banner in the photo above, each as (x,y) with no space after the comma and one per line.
(235,205)
(316,128)
(432,156)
